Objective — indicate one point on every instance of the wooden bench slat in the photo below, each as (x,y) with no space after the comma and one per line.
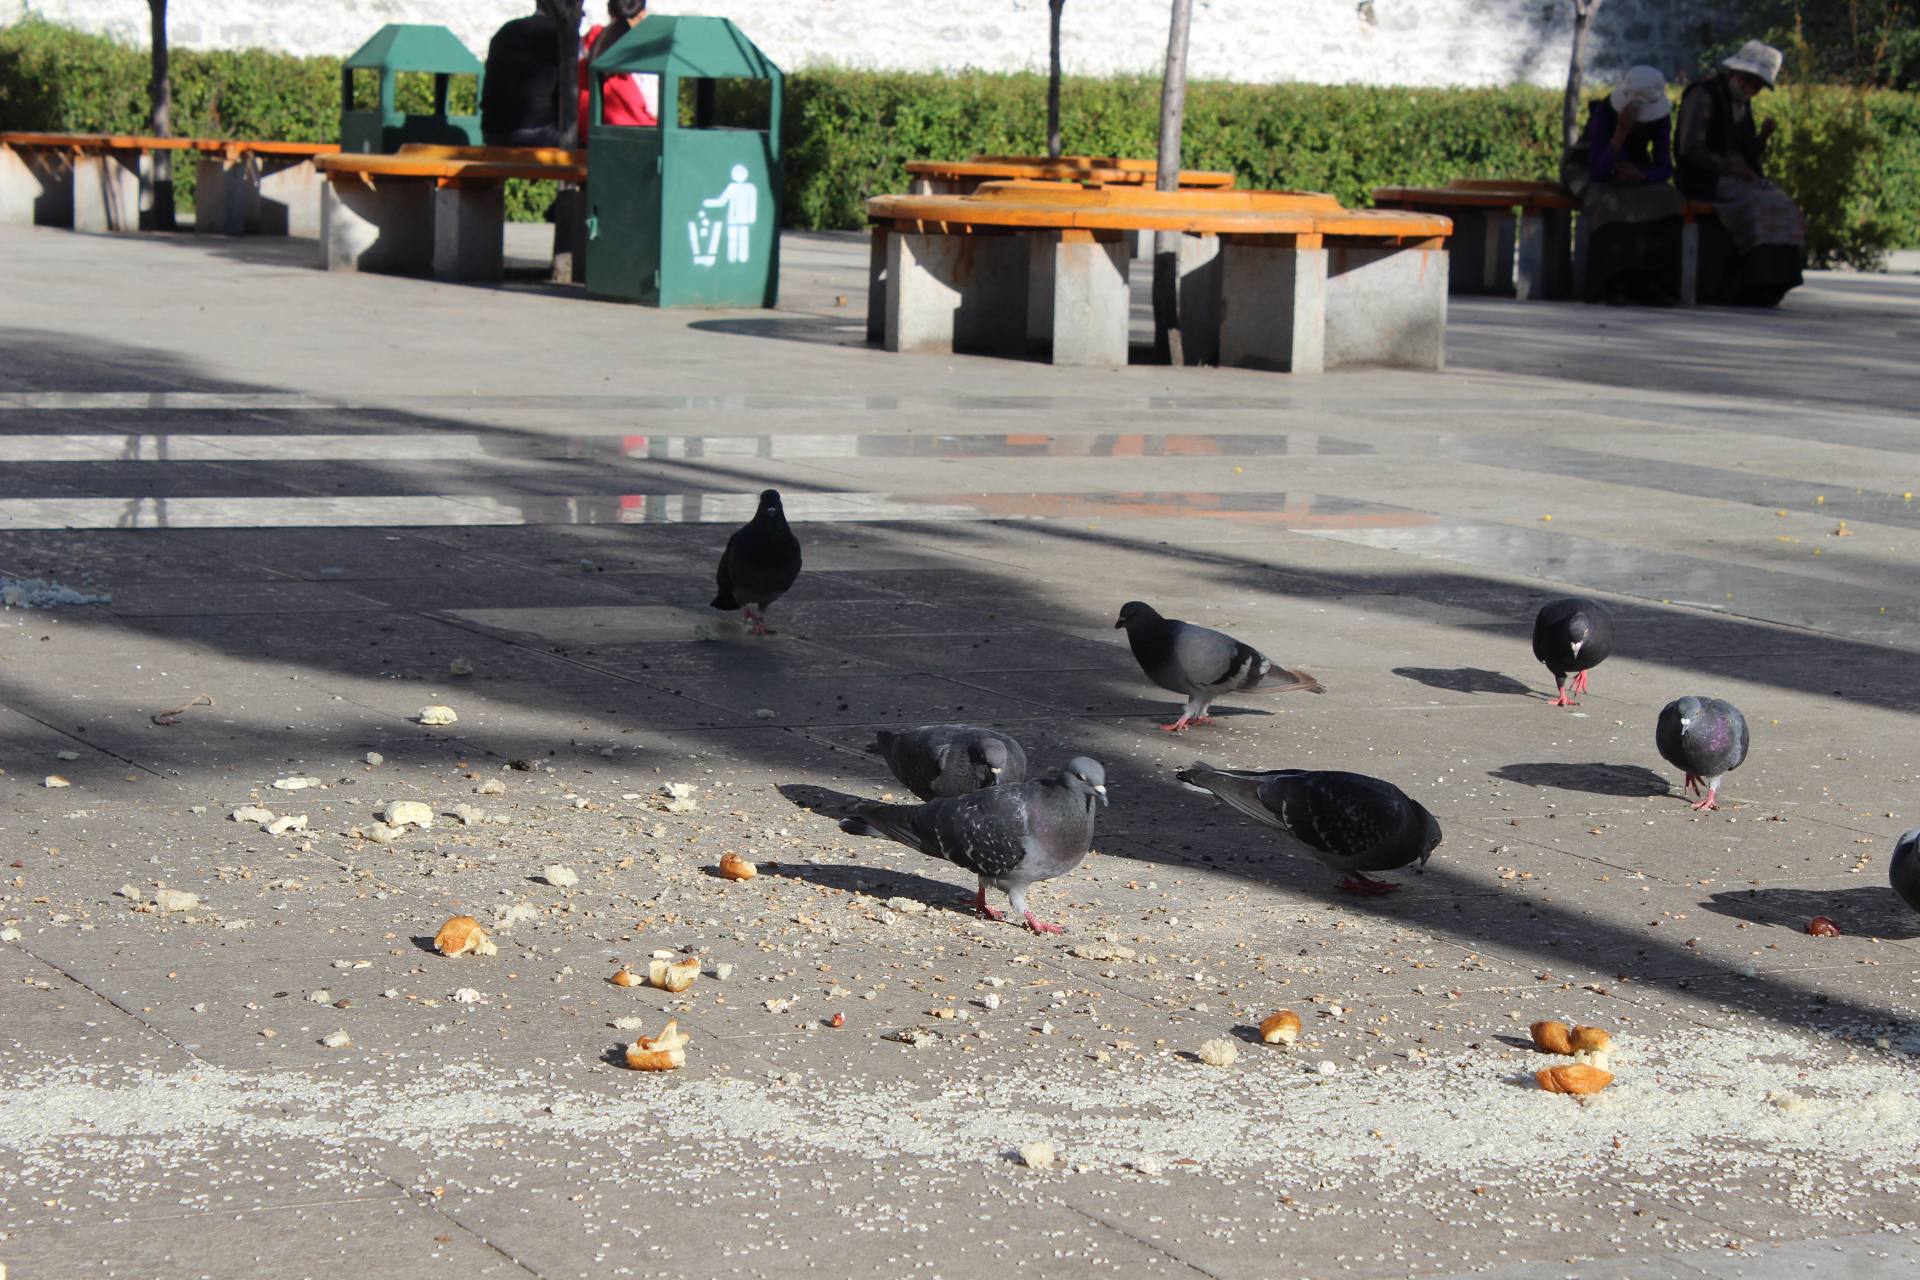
(451,171)
(969,170)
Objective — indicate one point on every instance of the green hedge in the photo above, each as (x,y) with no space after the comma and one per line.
(1852,159)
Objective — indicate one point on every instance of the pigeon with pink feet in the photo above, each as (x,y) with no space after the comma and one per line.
(760,564)
(1010,837)
(1572,635)
(1352,823)
(1200,664)
(1704,738)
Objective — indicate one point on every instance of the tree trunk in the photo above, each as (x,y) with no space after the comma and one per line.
(567,14)
(1583,11)
(1053,77)
(160,93)
(1166,248)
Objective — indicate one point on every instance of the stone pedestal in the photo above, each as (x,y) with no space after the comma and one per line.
(956,293)
(388,227)
(469,227)
(1077,298)
(1386,305)
(1273,307)
(36,187)
(1544,269)
(106,191)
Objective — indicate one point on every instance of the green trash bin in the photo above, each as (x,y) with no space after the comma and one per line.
(686,213)
(398,47)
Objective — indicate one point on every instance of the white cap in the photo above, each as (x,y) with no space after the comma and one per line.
(1644,89)
(1756,59)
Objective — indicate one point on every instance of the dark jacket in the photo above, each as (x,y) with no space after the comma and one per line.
(521,96)
(1648,146)
(1704,158)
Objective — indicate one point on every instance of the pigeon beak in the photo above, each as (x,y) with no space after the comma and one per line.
(1102,793)
(1119,623)
(994,770)
(1576,647)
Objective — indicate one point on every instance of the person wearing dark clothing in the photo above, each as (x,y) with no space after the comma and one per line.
(520,99)
(1720,153)
(1630,212)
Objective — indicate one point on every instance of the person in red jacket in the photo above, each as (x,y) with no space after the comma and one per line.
(623,99)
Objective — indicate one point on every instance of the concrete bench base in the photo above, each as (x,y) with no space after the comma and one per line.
(1386,305)
(1244,304)
(108,189)
(1063,294)
(388,227)
(36,187)
(406,227)
(258,195)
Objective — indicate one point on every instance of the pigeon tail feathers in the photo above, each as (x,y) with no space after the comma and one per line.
(1278,679)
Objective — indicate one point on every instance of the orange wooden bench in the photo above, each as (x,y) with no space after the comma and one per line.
(963,177)
(104,182)
(438,211)
(1269,279)
(1520,238)
(248,186)
(86,181)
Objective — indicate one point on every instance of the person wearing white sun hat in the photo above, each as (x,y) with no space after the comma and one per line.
(1721,158)
(1622,172)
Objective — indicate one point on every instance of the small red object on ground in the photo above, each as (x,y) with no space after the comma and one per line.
(1821,927)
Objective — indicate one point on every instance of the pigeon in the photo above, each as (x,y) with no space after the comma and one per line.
(1010,837)
(1574,634)
(1201,664)
(1904,873)
(1704,738)
(943,760)
(760,563)
(1352,823)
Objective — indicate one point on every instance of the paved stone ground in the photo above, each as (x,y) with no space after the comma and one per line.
(306,496)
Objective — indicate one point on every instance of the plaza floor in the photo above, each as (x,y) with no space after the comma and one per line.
(256,517)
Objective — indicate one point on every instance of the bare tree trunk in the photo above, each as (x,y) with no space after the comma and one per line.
(160,93)
(1583,11)
(1053,77)
(1166,247)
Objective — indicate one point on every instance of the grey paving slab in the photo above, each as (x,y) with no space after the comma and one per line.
(318,559)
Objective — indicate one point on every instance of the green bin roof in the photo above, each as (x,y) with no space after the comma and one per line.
(411,46)
(701,48)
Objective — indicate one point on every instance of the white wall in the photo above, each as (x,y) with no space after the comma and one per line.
(1413,42)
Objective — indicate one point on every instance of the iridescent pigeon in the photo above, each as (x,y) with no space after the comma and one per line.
(1574,634)
(1704,738)
(1352,823)
(1904,873)
(1010,837)
(940,760)
(760,563)
(1201,664)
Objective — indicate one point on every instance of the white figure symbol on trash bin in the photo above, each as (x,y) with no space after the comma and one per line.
(741,200)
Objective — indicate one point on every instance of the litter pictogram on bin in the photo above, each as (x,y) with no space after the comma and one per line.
(741,200)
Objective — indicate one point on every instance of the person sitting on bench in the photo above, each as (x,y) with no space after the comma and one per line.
(1720,160)
(1622,174)
(627,100)
(520,99)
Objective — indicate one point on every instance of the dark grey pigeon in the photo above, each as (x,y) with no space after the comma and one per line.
(1352,823)
(1010,837)
(1201,664)
(760,563)
(1904,873)
(1574,634)
(937,761)
(1704,738)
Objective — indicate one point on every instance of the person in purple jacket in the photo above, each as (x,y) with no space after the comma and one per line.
(1628,203)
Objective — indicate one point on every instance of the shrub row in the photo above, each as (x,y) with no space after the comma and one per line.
(1851,158)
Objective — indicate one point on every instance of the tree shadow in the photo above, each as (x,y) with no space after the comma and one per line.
(1872,911)
(1595,778)
(1466,680)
